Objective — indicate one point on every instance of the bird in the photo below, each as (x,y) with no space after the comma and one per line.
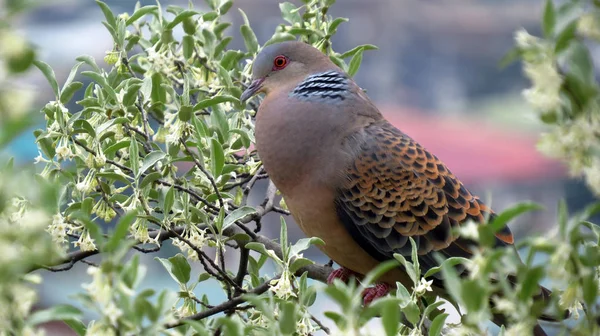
(351,178)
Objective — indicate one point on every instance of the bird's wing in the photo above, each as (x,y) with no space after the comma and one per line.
(396,189)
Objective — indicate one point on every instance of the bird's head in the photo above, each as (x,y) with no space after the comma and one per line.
(278,65)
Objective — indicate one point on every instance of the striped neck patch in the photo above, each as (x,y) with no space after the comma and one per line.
(330,86)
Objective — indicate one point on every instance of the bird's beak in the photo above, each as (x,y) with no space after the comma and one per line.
(254,87)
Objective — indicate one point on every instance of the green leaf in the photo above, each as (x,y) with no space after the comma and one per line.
(451,280)
(402,294)
(237,214)
(249,38)
(334,25)
(101,80)
(146,88)
(180,17)
(258,247)
(511,213)
(412,313)
(298,263)
(217,158)
(435,329)
(141,12)
(169,201)
(408,266)
(55,313)
(71,76)
(452,261)
(565,37)
(178,267)
(89,60)
(68,92)
(358,49)
(378,271)
(120,231)
(549,18)
(77,326)
(473,295)
(214,101)
(304,243)
(110,18)
(530,285)
(390,318)
(355,63)
(150,178)
(287,319)
(134,157)
(150,160)
(50,76)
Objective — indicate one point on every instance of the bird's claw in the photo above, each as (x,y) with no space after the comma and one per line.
(342,273)
(375,292)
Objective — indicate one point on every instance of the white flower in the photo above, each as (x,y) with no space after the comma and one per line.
(469,230)
(196,237)
(423,286)
(112,312)
(88,183)
(139,230)
(282,287)
(58,229)
(64,152)
(546,83)
(525,40)
(592,175)
(40,158)
(85,242)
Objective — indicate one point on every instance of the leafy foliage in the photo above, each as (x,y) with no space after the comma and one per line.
(160,149)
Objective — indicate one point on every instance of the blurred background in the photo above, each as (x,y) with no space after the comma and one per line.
(436,76)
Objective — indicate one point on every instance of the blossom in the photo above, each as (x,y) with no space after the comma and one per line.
(282,287)
(196,237)
(85,242)
(423,286)
(58,229)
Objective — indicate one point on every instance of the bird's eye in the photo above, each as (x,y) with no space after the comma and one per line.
(280,62)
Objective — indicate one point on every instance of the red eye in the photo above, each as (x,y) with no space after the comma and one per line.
(280,62)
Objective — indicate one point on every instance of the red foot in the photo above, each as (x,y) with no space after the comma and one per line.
(379,290)
(342,273)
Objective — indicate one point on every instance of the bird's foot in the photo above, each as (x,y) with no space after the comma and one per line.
(341,273)
(379,290)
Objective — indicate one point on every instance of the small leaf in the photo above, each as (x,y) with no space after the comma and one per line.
(402,294)
(178,267)
(390,318)
(150,160)
(50,76)
(120,231)
(134,160)
(298,263)
(55,313)
(304,243)
(549,18)
(169,201)
(237,214)
(287,318)
(217,157)
(249,39)
(435,329)
(258,247)
(214,101)
(412,313)
(141,12)
(180,17)
(355,63)
(110,18)
(358,49)
(68,92)
(509,214)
